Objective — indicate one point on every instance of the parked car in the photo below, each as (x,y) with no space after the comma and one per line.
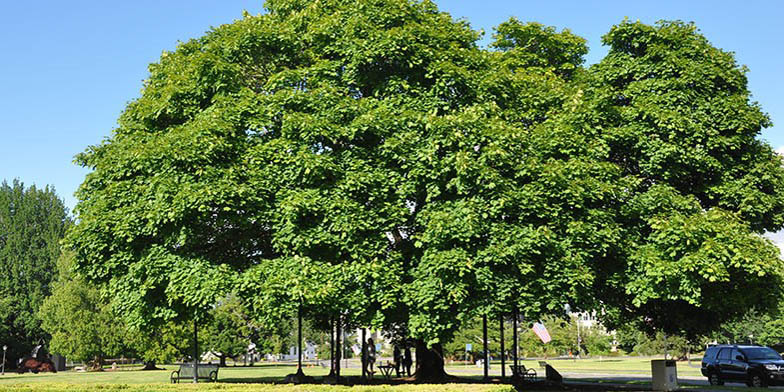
(757,366)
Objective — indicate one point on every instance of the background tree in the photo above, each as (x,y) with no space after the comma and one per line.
(229,331)
(158,344)
(32,223)
(753,327)
(674,114)
(82,326)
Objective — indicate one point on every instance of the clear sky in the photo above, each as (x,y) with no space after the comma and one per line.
(68,69)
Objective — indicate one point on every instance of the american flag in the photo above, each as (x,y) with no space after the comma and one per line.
(541,332)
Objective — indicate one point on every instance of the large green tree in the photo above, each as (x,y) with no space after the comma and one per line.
(367,160)
(675,115)
(33,221)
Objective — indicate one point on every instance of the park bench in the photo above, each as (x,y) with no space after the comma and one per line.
(521,373)
(206,372)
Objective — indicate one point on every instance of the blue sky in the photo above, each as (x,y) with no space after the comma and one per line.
(69,68)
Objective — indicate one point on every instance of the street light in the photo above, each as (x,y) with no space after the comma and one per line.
(4,348)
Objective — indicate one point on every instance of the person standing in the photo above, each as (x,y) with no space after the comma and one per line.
(407,361)
(398,358)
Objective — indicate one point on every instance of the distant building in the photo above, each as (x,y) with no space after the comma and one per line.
(309,354)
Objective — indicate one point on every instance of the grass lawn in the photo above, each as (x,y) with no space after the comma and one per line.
(256,374)
(231,379)
(611,365)
(262,378)
(49,387)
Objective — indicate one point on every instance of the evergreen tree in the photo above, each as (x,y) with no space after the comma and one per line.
(32,223)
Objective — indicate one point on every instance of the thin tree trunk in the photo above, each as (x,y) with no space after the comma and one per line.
(503,353)
(299,339)
(514,334)
(364,355)
(338,347)
(332,346)
(486,360)
(195,353)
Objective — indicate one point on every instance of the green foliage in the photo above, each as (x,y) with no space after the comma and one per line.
(81,325)
(595,340)
(527,45)
(753,327)
(367,158)
(674,114)
(229,331)
(32,223)
(637,342)
(166,343)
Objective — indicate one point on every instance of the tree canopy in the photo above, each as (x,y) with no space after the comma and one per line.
(674,114)
(369,159)
(33,221)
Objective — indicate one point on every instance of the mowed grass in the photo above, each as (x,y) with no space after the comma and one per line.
(256,374)
(254,387)
(612,365)
(268,377)
(631,365)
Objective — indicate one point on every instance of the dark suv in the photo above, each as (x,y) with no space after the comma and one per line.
(757,366)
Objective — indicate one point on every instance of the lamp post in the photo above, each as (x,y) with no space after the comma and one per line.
(4,348)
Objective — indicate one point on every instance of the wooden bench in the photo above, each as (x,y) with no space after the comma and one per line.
(206,372)
(521,373)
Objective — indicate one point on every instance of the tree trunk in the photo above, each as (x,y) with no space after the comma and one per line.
(222,360)
(150,365)
(429,363)
(98,363)
(338,346)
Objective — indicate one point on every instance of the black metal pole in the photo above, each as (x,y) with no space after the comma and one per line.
(195,352)
(514,326)
(338,347)
(364,355)
(503,353)
(332,346)
(299,339)
(484,343)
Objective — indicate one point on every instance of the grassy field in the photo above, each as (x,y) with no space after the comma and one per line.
(626,365)
(255,374)
(262,377)
(49,387)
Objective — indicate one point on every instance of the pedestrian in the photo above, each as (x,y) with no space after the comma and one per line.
(398,358)
(371,356)
(407,361)
(364,359)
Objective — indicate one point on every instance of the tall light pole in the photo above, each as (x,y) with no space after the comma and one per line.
(4,348)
